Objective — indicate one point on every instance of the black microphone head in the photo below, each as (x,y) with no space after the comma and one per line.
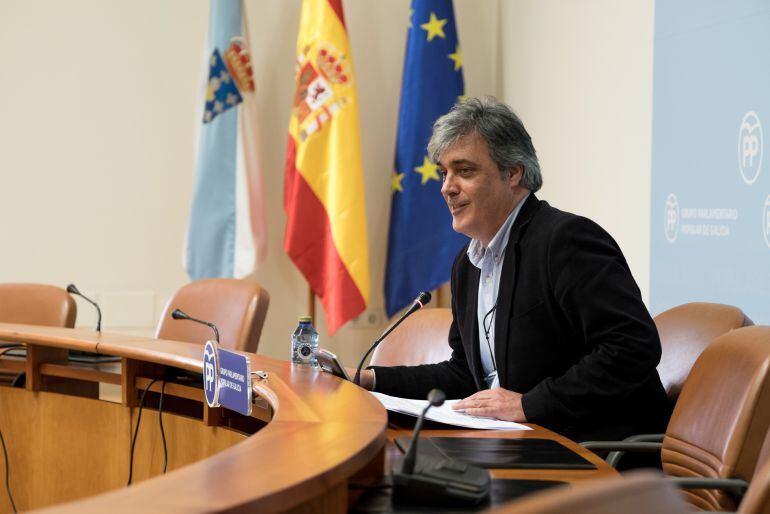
(436,397)
(72,289)
(423,298)
(178,314)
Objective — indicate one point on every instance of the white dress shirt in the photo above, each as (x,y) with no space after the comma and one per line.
(490,261)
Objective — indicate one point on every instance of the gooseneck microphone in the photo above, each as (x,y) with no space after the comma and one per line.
(422,299)
(71,289)
(436,398)
(437,480)
(178,314)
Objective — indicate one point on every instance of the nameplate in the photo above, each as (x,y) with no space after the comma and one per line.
(226,379)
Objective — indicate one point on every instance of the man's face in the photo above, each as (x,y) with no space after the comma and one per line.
(478,196)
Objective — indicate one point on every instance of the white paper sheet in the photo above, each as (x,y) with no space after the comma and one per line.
(445,414)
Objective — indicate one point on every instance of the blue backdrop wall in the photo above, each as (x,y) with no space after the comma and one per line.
(710,225)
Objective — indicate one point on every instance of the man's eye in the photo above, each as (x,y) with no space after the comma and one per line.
(442,173)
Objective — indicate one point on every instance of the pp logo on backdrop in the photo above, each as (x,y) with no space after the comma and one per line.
(211,374)
(766,220)
(671,218)
(750,147)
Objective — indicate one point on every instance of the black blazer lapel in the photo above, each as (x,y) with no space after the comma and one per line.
(507,289)
(471,329)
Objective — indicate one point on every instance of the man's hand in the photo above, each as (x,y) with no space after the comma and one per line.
(493,403)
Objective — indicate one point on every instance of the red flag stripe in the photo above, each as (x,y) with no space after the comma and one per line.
(336,6)
(310,245)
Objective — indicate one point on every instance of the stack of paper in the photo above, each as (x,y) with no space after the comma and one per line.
(445,413)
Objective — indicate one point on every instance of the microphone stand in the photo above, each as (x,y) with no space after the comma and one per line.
(422,299)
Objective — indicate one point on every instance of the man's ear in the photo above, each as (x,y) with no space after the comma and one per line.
(515,174)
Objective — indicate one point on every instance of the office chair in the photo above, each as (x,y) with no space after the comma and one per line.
(421,339)
(685,331)
(755,495)
(757,498)
(236,307)
(638,492)
(35,304)
(720,420)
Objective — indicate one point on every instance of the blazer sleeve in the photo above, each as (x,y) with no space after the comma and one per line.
(593,286)
(452,376)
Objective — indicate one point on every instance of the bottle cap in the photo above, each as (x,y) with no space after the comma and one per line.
(306,319)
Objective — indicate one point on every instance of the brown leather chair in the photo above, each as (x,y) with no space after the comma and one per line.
(421,339)
(236,307)
(756,495)
(722,416)
(685,331)
(639,492)
(757,499)
(37,304)
(721,419)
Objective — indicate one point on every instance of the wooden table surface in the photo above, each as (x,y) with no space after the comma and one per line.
(320,430)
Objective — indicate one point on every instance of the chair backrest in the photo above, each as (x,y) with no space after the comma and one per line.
(685,331)
(37,304)
(423,338)
(236,307)
(757,499)
(640,492)
(722,416)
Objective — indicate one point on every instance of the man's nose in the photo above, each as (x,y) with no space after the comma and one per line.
(448,186)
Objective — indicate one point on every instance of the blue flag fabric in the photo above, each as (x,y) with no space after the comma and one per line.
(227,233)
(421,242)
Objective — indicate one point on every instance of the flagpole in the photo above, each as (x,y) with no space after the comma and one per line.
(311,304)
(439,296)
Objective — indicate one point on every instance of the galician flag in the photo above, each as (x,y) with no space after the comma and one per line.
(324,188)
(227,235)
(421,242)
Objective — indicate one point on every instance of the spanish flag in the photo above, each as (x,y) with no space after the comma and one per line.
(324,189)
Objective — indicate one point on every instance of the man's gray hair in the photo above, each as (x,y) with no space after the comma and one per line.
(503,132)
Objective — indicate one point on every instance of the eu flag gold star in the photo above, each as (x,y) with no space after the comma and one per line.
(428,170)
(457,57)
(396,183)
(434,27)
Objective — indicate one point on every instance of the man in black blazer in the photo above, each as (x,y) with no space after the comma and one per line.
(549,326)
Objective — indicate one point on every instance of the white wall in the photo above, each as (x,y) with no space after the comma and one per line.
(580,76)
(97,121)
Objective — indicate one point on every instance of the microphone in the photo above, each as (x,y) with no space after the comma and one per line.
(422,299)
(71,289)
(178,314)
(436,480)
(436,398)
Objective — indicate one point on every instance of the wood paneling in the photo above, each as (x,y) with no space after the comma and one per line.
(57,453)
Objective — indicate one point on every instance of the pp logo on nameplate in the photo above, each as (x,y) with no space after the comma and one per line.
(211,373)
(226,379)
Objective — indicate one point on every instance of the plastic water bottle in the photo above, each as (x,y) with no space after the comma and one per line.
(304,343)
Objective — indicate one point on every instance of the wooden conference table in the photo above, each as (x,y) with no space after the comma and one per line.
(309,436)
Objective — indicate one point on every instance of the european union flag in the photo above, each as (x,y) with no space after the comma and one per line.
(421,242)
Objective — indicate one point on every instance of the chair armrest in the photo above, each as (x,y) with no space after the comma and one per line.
(733,485)
(617,451)
(622,446)
(645,438)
